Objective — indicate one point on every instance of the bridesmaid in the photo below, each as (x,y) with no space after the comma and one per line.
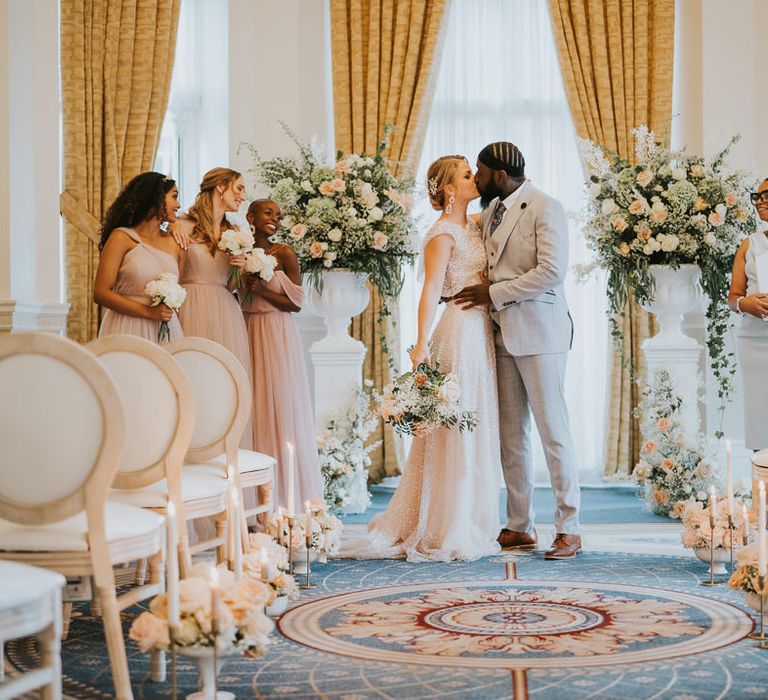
(134,251)
(211,310)
(282,409)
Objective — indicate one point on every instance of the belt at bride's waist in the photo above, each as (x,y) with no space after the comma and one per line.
(204,283)
(141,298)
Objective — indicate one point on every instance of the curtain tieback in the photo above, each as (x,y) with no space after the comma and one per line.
(79,217)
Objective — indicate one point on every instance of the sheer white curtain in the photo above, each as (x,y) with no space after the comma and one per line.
(500,80)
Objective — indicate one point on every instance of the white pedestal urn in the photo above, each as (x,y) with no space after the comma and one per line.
(207,672)
(677,292)
(337,358)
(720,557)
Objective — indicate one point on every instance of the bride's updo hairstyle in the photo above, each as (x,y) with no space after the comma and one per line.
(201,212)
(440,174)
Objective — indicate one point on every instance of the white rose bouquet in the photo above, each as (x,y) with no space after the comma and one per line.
(667,208)
(355,214)
(242,622)
(165,290)
(236,241)
(424,399)
(258,264)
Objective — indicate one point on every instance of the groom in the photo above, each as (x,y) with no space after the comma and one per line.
(526,240)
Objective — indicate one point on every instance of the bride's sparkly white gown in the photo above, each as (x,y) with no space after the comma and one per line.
(447,504)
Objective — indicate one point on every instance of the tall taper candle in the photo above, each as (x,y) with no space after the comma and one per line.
(291,476)
(173,565)
(729,476)
(307,523)
(264,565)
(215,599)
(712,505)
(761,562)
(237,533)
(230,546)
(745,522)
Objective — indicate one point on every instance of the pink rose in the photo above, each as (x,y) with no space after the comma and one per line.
(730,200)
(338,184)
(342,166)
(715,219)
(298,232)
(326,189)
(149,632)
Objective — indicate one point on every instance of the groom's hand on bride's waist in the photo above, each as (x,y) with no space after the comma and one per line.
(476,295)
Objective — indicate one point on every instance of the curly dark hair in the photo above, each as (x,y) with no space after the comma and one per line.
(141,199)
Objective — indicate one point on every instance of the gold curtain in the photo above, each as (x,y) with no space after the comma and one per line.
(616,59)
(384,52)
(116,66)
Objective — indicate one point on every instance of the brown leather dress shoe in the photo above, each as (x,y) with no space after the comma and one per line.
(510,539)
(564,547)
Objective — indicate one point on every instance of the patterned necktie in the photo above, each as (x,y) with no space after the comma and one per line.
(498,215)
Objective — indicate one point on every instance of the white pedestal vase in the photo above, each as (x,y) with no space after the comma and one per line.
(337,358)
(720,557)
(278,607)
(677,292)
(207,672)
(300,563)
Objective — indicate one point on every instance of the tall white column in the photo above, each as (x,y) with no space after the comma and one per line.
(31,246)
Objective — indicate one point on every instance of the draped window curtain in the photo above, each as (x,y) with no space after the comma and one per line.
(116,65)
(384,56)
(616,58)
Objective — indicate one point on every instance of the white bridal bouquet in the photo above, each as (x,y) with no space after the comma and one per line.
(344,454)
(258,264)
(242,622)
(668,208)
(353,215)
(165,290)
(236,241)
(424,399)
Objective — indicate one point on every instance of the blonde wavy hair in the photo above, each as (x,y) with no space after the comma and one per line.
(201,212)
(440,174)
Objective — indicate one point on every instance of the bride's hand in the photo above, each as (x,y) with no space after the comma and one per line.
(419,355)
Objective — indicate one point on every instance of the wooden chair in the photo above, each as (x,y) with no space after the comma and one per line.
(62,433)
(223,397)
(159,422)
(30,604)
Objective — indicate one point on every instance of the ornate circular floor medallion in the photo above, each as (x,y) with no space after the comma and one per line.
(527,624)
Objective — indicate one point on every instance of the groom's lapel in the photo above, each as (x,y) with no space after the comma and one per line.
(509,222)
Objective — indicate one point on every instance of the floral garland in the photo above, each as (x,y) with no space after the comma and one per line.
(344,455)
(672,471)
(669,208)
(353,215)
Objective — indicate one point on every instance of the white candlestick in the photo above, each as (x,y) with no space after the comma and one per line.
(237,534)
(291,476)
(761,563)
(308,523)
(264,569)
(173,566)
(729,476)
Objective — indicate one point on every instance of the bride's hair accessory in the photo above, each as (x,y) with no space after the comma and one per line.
(432,185)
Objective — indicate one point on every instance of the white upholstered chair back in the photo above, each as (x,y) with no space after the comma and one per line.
(61,429)
(222,396)
(158,403)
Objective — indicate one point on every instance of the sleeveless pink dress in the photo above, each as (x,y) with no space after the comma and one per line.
(140,265)
(211,310)
(282,407)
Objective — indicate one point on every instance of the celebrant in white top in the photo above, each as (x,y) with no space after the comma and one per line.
(749,297)
(446,505)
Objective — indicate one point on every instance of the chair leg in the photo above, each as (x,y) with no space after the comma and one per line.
(105,589)
(185,558)
(140,576)
(66,618)
(50,657)
(157,575)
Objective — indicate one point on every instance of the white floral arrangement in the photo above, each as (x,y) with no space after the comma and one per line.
(258,264)
(242,623)
(344,454)
(236,241)
(421,400)
(746,577)
(668,208)
(353,215)
(165,290)
(671,470)
(325,535)
(271,566)
(697,525)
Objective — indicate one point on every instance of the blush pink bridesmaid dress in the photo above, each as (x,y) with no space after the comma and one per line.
(282,407)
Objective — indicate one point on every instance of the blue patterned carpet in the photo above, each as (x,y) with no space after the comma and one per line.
(294,670)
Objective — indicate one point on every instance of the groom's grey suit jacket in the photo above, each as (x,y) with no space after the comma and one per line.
(527,263)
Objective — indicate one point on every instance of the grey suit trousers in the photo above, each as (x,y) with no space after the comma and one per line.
(535,383)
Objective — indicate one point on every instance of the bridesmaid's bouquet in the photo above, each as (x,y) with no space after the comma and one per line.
(165,290)
(236,241)
(261,265)
(424,399)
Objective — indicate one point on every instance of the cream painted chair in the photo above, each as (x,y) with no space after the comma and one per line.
(62,433)
(159,422)
(223,397)
(30,604)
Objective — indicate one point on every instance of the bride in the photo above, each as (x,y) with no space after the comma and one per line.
(447,504)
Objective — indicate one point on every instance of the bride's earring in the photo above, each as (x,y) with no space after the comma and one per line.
(252,227)
(451,200)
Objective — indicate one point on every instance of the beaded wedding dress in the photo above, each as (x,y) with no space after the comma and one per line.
(447,503)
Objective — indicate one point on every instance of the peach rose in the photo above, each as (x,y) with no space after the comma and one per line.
(730,200)
(662,424)
(666,464)
(619,224)
(298,232)
(637,207)
(650,447)
(644,234)
(327,189)
(700,204)
(149,632)
(715,219)
(342,166)
(380,240)
(660,496)
(624,249)
(194,595)
(420,379)
(644,178)
(317,249)
(338,184)
(677,510)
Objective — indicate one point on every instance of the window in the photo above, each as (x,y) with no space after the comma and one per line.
(499,79)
